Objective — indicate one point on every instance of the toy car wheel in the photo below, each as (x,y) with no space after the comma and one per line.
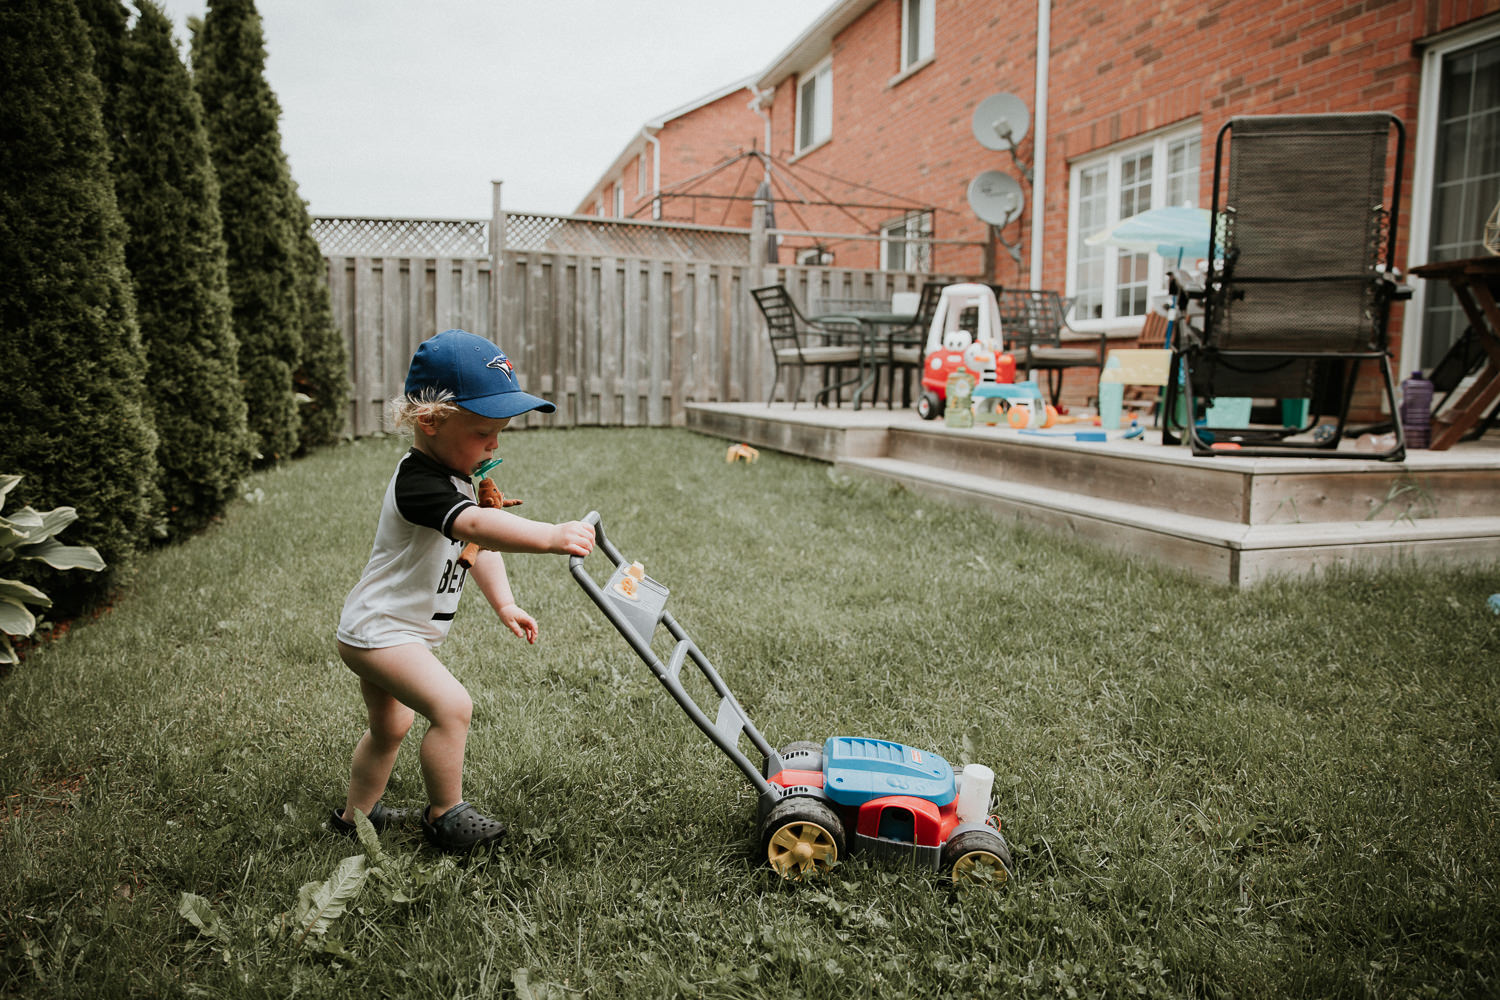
(802,838)
(976,856)
(929,407)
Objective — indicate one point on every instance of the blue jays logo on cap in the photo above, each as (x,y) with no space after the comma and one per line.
(480,376)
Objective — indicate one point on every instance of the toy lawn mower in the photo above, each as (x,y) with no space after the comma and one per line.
(817,801)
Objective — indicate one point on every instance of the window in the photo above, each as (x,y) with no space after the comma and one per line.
(619,199)
(1110,283)
(904,243)
(815,106)
(916,31)
(640,176)
(1465,180)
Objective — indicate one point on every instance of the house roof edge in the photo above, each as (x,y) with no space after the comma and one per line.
(812,44)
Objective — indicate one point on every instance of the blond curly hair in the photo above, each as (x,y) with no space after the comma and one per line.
(405,411)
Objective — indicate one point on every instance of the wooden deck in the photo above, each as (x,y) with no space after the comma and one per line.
(1227,519)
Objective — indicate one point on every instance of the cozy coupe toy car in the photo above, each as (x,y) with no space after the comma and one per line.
(965,336)
(817,801)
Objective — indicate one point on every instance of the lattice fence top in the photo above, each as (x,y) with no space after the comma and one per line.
(402,237)
(611,237)
(365,237)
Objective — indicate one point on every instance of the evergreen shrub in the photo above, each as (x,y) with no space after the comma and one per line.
(169,196)
(240,113)
(73,423)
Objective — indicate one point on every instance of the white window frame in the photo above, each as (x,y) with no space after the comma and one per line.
(820,78)
(1112,159)
(1424,162)
(620,198)
(640,176)
(918,28)
(910,236)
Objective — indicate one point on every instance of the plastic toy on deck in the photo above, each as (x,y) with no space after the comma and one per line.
(967,317)
(816,801)
(1018,404)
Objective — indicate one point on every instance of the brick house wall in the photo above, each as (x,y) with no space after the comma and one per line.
(1118,72)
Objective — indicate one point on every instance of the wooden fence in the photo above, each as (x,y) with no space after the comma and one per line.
(612,340)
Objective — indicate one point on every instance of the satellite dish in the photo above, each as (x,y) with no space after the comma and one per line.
(1000,121)
(996,197)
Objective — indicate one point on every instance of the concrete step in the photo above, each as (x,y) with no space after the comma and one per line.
(1226,518)
(1227,551)
(1226,488)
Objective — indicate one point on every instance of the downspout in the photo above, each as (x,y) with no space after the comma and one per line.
(757,104)
(655,172)
(758,101)
(1039,138)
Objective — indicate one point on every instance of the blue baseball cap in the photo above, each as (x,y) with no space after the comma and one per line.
(478,373)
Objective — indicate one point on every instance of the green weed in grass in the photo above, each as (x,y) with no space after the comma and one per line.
(1289,791)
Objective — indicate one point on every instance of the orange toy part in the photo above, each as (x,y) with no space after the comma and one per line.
(489,496)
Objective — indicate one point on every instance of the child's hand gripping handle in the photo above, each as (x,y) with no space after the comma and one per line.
(489,496)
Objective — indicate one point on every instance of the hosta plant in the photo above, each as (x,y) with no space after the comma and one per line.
(27,534)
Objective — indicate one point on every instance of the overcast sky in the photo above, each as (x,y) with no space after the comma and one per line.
(411,107)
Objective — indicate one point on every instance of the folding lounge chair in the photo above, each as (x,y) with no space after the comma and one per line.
(799,343)
(1300,278)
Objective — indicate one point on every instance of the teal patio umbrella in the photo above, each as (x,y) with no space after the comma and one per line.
(1173,231)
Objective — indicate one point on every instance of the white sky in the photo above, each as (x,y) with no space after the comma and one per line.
(411,107)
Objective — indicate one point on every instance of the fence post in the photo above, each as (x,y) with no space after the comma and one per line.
(757,256)
(497,250)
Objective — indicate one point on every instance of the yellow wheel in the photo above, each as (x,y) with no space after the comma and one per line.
(977,857)
(802,837)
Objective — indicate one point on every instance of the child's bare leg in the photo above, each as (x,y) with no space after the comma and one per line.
(412,675)
(375,754)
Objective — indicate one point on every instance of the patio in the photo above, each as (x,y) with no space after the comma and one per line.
(1226,519)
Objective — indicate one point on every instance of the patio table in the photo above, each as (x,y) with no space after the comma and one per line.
(874,332)
(1476,284)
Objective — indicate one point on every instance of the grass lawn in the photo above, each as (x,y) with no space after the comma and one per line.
(1291,791)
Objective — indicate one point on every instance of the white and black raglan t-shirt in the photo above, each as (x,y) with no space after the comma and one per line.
(410,587)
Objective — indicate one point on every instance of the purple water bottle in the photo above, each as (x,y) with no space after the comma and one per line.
(1416,410)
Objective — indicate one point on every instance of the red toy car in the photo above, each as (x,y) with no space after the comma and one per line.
(965,335)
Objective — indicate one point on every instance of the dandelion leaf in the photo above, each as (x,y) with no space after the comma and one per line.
(320,904)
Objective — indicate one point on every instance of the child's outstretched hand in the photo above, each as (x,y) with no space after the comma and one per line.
(574,538)
(518,621)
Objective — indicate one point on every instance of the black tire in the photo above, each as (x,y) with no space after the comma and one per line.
(929,406)
(802,838)
(978,856)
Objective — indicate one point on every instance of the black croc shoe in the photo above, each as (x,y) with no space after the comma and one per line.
(461,829)
(381,818)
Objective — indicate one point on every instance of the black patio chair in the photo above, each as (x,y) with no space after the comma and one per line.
(1300,280)
(799,343)
(1038,335)
(906,345)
